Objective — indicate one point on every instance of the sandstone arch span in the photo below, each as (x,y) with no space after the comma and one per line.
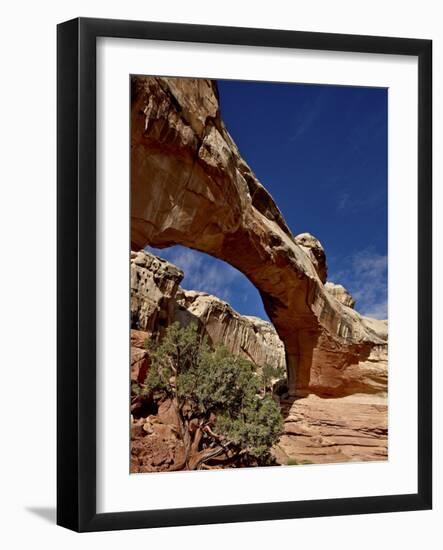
(190,186)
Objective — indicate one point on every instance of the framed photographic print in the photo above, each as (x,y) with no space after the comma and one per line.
(244,274)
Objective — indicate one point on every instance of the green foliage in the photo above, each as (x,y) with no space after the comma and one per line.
(256,427)
(268,374)
(216,388)
(218,381)
(177,352)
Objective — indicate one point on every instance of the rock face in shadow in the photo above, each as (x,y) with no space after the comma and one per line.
(190,186)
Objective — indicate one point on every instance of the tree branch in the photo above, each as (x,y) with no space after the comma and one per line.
(203,456)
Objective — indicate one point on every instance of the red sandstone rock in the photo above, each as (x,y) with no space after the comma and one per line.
(139,365)
(345,429)
(139,338)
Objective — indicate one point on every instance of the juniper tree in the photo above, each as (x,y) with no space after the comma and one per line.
(268,374)
(216,395)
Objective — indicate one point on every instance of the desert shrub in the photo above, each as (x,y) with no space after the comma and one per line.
(268,375)
(216,395)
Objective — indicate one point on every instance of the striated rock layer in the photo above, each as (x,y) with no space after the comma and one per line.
(154,284)
(157,301)
(190,186)
(319,430)
(249,337)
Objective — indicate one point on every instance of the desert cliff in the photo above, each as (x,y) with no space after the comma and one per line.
(190,186)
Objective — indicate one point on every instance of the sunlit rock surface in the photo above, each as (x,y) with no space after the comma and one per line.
(154,283)
(340,293)
(330,430)
(249,337)
(157,301)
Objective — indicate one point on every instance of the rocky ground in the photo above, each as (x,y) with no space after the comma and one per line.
(316,430)
(327,430)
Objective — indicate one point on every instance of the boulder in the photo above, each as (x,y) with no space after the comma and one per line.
(340,293)
(316,253)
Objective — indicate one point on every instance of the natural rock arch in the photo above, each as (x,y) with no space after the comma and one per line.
(190,186)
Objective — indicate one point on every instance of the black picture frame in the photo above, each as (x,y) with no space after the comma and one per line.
(76,274)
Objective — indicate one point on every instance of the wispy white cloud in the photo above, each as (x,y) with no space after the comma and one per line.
(207,274)
(378,311)
(202,272)
(349,203)
(343,201)
(365,275)
(308,115)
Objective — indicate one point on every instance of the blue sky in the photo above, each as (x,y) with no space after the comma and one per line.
(321,151)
